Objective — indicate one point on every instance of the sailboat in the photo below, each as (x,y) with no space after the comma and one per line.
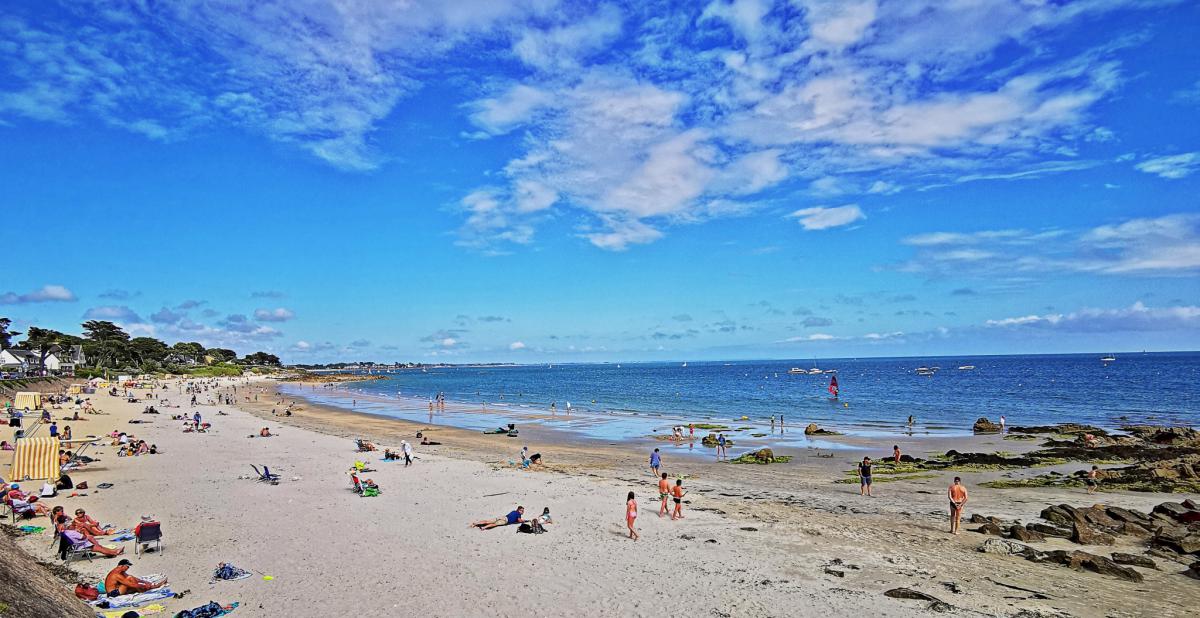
(684,364)
(833,386)
(1108,359)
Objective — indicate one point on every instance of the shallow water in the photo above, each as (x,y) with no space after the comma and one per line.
(877,395)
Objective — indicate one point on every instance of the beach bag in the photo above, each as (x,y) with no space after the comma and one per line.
(86,592)
(370,492)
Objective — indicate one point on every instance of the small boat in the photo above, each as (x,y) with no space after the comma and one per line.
(795,370)
(966,367)
(924,371)
(1108,359)
(684,364)
(814,371)
(831,371)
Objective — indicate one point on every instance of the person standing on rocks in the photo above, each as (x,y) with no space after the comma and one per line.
(1093,479)
(958,497)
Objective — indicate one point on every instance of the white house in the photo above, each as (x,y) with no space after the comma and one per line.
(20,361)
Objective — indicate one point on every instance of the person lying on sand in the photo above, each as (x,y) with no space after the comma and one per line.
(120,581)
(390,455)
(264,433)
(515,517)
(426,442)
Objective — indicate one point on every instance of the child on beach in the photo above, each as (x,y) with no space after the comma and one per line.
(896,453)
(631,515)
(721,452)
(679,493)
(1092,477)
(958,497)
(664,492)
(655,462)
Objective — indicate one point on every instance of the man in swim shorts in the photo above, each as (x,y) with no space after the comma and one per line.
(664,492)
(864,477)
(958,497)
(514,517)
(679,493)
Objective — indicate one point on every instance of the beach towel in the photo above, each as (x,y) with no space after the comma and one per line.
(228,572)
(131,600)
(150,610)
(210,610)
(31,529)
(122,538)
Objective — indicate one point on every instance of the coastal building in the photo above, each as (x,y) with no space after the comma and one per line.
(17,361)
(60,361)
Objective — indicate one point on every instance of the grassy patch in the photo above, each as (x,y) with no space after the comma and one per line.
(711,426)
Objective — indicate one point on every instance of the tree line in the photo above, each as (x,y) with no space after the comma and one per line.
(108,346)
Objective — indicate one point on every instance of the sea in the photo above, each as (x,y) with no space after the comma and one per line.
(618,401)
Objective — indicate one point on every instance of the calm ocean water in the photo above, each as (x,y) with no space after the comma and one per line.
(612,401)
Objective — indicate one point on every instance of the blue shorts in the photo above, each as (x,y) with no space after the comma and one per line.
(866,480)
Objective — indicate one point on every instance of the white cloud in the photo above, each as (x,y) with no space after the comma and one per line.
(273,315)
(836,24)
(1163,245)
(822,218)
(113,313)
(1173,167)
(502,114)
(564,46)
(516,345)
(44,294)
(1137,317)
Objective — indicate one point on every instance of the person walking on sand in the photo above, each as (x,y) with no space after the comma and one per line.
(664,492)
(407,448)
(631,515)
(721,447)
(958,497)
(678,494)
(1092,481)
(896,453)
(655,463)
(864,477)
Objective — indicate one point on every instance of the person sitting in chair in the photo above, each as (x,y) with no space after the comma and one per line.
(77,538)
(88,525)
(120,581)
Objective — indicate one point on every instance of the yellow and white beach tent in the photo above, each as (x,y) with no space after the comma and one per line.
(35,458)
(27,399)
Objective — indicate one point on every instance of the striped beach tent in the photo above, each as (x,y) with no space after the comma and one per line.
(27,400)
(35,458)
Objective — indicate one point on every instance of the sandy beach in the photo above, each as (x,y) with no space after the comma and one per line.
(779,540)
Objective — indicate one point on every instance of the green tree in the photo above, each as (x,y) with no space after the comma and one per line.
(107,344)
(45,341)
(261,358)
(221,355)
(191,350)
(148,350)
(5,334)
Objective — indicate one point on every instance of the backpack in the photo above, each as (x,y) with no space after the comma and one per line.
(86,592)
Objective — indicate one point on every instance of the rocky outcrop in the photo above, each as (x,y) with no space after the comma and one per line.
(1133,560)
(983,425)
(813,430)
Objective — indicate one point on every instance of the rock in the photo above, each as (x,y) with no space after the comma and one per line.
(1058,515)
(1174,510)
(1190,504)
(1193,571)
(1025,535)
(834,572)
(909,593)
(710,440)
(1081,560)
(764,455)
(976,518)
(1133,560)
(813,429)
(1129,516)
(1178,538)
(1048,530)
(983,425)
(953,587)
(1063,428)
(1083,531)
(1007,548)
(991,529)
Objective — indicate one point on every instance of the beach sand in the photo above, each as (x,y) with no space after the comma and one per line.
(756,541)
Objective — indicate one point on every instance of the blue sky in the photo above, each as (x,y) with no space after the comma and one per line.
(548,181)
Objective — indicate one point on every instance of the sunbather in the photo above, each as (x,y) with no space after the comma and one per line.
(85,523)
(515,517)
(77,538)
(122,582)
(264,433)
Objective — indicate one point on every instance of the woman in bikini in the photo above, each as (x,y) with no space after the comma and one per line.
(631,515)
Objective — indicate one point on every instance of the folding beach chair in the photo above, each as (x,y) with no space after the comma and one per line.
(68,550)
(265,476)
(146,534)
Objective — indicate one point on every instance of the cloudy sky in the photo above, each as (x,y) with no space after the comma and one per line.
(540,180)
